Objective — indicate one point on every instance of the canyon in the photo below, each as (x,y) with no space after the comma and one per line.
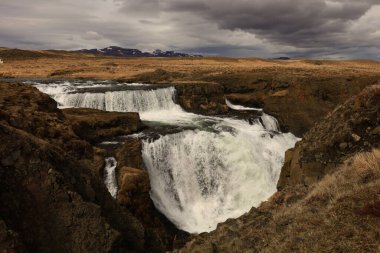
(82,167)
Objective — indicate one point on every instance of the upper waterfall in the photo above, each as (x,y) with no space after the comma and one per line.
(122,101)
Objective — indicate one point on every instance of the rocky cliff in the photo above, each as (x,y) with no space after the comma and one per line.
(330,205)
(52,194)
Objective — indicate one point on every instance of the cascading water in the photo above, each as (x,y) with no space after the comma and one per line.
(270,122)
(153,104)
(110,175)
(267,121)
(122,101)
(198,177)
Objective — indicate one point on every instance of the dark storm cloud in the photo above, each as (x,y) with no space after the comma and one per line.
(295,22)
(312,24)
(266,28)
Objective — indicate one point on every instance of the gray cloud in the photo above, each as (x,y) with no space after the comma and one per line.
(263,28)
(91,35)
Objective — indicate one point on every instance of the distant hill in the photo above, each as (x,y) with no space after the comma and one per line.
(128,52)
(283,58)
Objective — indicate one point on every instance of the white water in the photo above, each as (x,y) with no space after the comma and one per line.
(110,175)
(270,122)
(201,178)
(267,121)
(198,177)
(240,107)
(152,104)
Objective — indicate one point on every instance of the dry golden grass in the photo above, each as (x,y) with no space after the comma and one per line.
(67,64)
(340,214)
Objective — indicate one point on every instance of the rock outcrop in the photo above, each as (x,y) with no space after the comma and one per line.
(95,125)
(314,211)
(129,154)
(350,128)
(134,195)
(202,98)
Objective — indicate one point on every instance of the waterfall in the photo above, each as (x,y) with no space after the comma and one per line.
(201,178)
(110,175)
(218,168)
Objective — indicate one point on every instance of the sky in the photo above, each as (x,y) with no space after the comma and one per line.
(326,29)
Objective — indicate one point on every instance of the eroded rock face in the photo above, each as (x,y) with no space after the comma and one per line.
(202,98)
(51,198)
(95,125)
(350,128)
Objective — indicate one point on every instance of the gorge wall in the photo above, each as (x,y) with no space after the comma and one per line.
(51,177)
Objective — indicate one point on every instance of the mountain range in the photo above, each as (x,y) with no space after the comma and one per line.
(130,52)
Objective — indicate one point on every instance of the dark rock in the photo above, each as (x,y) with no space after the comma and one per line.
(129,154)
(202,98)
(343,145)
(95,125)
(375,131)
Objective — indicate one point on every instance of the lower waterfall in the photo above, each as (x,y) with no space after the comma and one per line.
(202,178)
(199,177)
(110,175)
